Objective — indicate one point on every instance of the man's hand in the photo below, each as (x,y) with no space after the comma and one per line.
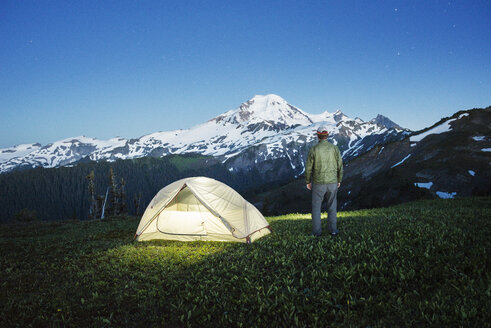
(339,184)
(309,186)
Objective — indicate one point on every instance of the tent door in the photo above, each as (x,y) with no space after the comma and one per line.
(181,223)
(184,215)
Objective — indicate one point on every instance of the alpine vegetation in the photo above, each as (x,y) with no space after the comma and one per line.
(419,264)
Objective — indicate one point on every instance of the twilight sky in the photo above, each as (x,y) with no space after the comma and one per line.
(129,68)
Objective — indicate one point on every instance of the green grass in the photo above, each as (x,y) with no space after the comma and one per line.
(418,264)
(188,161)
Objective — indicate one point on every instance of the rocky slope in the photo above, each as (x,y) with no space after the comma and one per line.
(450,159)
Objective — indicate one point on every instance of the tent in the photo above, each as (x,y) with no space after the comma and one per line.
(201,208)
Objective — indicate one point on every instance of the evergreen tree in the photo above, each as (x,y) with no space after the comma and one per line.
(113,205)
(93,203)
(122,197)
(136,202)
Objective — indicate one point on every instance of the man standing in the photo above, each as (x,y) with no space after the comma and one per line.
(323,175)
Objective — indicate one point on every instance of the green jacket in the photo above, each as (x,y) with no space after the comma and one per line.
(324,164)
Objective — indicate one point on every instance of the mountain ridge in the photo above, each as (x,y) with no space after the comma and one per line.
(265,122)
(448,159)
(451,158)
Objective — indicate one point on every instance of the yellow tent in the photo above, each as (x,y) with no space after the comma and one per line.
(201,208)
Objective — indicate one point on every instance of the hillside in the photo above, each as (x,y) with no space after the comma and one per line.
(450,158)
(445,160)
(418,264)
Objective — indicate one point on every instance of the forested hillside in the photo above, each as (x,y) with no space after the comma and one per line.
(62,193)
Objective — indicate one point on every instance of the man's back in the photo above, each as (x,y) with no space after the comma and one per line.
(324,164)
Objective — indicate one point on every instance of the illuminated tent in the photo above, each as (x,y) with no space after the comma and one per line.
(201,208)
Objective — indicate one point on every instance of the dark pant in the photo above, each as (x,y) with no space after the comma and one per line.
(319,192)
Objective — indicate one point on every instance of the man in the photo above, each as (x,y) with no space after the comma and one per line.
(323,175)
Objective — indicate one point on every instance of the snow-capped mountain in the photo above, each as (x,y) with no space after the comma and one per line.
(259,131)
(18,151)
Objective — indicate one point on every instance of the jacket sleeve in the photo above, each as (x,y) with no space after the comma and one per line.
(309,166)
(340,165)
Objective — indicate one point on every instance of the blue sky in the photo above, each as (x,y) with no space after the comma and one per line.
(129,68)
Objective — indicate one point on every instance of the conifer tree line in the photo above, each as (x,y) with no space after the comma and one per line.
(116,202)
(79,192)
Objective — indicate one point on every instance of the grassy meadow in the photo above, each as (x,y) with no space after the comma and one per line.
(418,264)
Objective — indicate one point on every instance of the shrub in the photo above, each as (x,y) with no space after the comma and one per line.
(25,215)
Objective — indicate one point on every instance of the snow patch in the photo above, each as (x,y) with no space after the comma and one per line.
(303,170)
(479,138)
(436,130)
(446,195)
(444,127)
(426,185)
(486,149)
(401,161)
(472,172)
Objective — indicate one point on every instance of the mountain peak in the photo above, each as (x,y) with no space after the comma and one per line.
(264,103)
(269,109)
(269,98)
(386,122)
(339,116)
